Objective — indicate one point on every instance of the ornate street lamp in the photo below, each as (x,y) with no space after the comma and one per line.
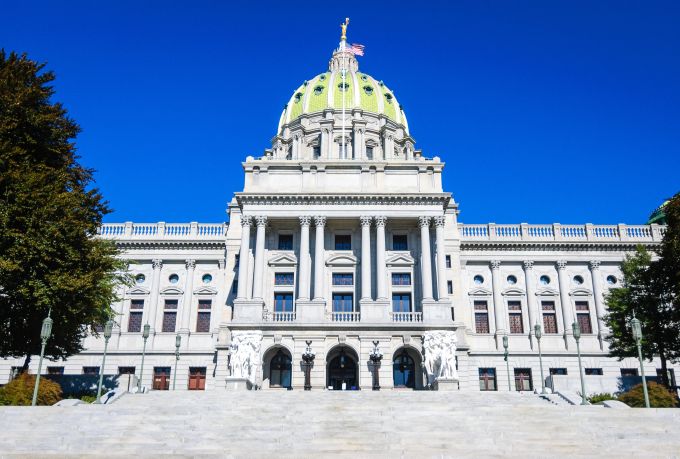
(108,329)
(577,336)
(145,336)
(637,335)
(178,342)
(507,363)
(538,333)
(307,363)
(45,333)
(376,356)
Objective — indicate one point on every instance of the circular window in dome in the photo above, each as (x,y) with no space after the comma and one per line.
(368,90)
(322,77)
(478,279)
(389,97)
(545,280)
(512,280)
(318,90)
(343,86)
(364,78)
(140,278)
(578,280)
(174,278)
(611,280)
(207,278)
(298,97)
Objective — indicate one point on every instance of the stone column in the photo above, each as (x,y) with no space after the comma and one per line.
(188,295)
(319,257)
(243,258)
(304,272)
(157,264)
(366,257)
(258,276)
(426,260)
(381,275)
(534,314)
(441,258)
(499,311)
(565,301)
(594,266)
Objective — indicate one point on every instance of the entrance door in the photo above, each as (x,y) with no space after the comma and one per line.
(404,371)
(197,378)
(343,369)
(161,378)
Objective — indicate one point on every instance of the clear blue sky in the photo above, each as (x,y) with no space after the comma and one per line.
(544,111)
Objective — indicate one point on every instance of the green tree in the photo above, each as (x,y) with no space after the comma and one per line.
(49,215)
(650,292)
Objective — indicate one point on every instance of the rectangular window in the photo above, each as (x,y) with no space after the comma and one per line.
(343,279)
(137,304)
(481,317)
(343,242)
(343,302)
(126,370)
(284,278)
(401,302)
(583,316)
(549,317)
(283,302)
(399,242)
(369,152)
(629,372)
(91,371)
(449,286)
(593,371)
(487,379)
(285,242)
(55,370)
(161,378)
(135,322)
(515,315)
(401,278)
(170,304)
(203,317)
(197,378)
(448,261)
(558,371)
(169,321)
(523,379)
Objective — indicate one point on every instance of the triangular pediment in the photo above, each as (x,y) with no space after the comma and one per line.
(513,291)
(342,259)
(205,290)
(547,292)
(172,291)
(480,291)
(138,291)
(400,259)
(581,292)
(283,259)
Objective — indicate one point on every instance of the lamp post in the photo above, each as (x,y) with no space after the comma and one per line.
(507,363)
(307,362)
(376,356)
(178,342)
(538,333)
(637,335)
(145,336)
(577,336)
(45,333)
(108,328)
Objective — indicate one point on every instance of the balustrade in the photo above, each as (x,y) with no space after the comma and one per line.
(562,233)
(406,316)
(162,230)
(345,316)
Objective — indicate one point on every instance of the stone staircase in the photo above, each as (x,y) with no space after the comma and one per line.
(348,424)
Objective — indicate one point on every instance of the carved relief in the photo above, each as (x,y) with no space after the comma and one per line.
(320,220)
(380,221)
(561,264)
(305,220)
(365,220)
(246,220)
(495,264)
(245,354)
(439,351)
(190,264)
(594,265)
(439,221)
(157,263)
(424,221)
(528,265)
(261,220)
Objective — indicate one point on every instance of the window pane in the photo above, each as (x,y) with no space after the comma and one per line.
(203,322)
(343,242)
(482,322)
(135,322)
(401,303)
(516,325)
(480,306)
(401,279)
(399,242)
(283,302)
(284,278)
(584,323)
(549,323)
(91,370)
(342,302)
(285,242)
(594,371)
(137,304)
(523,379)
(169,321)
(204,304)
(343,279)
(448,261)
(170,304)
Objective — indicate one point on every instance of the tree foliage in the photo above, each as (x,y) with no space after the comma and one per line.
(650,292)
(19,391)
(659,396)
(49,213)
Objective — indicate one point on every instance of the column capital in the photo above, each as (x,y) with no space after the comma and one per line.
(246,220)
(157,263)
(528,265)
(495,264)
(561,264)
(594,265)
(190,264)
(366,220)
(261,220)
(439,221)
(380,221)
(305,220)
(320,220)
(424,221)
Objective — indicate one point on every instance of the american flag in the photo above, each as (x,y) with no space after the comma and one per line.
(356,49)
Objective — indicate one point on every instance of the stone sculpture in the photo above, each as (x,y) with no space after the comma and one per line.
(245,354)
(439,350)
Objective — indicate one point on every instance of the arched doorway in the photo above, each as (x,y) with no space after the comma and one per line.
(277,368)
(406,372)
(342,370)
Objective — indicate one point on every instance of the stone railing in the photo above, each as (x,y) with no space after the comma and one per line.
(562,233)
(406,316)
(162,230)
(345,316)
(279,316)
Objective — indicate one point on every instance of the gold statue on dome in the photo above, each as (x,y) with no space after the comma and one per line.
(343,37)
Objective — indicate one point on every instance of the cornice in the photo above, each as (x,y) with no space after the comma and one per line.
(413,199)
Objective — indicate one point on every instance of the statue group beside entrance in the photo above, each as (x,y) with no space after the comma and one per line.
(439,352)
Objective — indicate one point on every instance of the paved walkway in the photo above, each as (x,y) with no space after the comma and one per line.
(300,424)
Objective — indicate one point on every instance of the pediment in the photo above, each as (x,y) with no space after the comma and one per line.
(172,291)
(513,291)
(205,290)
(138,291)
(547,292)
(341,259)
(480,291)
(581,292)
(283,259)
(400,259)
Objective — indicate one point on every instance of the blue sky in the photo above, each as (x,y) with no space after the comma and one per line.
(544,111)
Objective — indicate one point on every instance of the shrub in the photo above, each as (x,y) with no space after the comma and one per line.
(19,391)
(597,398)
(659,396)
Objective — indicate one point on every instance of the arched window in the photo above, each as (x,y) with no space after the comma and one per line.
(280,370)
(403,370)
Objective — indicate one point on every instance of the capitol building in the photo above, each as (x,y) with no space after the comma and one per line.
(343,245)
